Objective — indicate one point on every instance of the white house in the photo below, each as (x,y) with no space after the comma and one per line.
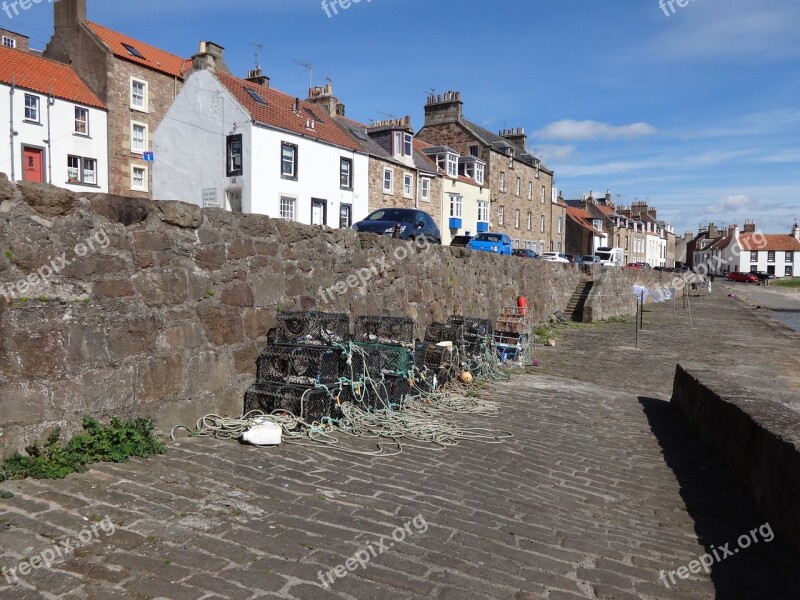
(751,250)
(60,128)
(241,145)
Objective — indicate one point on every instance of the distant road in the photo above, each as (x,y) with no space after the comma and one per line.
(771,297)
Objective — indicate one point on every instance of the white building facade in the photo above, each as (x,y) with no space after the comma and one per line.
(751,251)
(60,128)
(242,146)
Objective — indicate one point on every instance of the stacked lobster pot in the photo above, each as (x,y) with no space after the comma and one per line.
(442,352)
(386,345)
(478,336)
(302,369)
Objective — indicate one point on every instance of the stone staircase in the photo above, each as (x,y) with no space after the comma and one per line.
(574,310)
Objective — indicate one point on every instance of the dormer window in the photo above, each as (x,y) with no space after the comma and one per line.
(473,168)
(448,162)
(402,144)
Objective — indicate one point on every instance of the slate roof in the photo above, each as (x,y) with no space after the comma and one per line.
(45,76)
(499,142)
(357,132)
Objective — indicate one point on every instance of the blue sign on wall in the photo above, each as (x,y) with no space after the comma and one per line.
(148,156)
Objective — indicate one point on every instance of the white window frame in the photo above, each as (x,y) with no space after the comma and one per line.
(530,220)
(542,194)
(452,164)
(519,186)
(541,223)
(789,258)
(456,206)
(79,111)
(34,108)
(295,160)
(502,181)
(80,172)
(348,173)
(483,211)
(145,187)
(145,108)
(501,215)
(145,140)
(284,204)
(480,173)
(425,189)
(530,190)
(408,185)
(9,42)
(517,218)
(388,189)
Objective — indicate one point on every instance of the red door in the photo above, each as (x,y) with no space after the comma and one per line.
(32,167)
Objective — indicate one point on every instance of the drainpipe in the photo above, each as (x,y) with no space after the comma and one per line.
(50,102)
(11,132)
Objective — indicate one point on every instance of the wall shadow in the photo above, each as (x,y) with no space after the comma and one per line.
(723,510)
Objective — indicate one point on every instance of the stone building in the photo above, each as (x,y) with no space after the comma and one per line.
(399,173)
(136,81)
(14,40)
(523,199)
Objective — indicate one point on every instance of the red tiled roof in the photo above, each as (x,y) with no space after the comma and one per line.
(279,112)
(770,241)
(154,58)
(581,217)
(606,210)
(45,76)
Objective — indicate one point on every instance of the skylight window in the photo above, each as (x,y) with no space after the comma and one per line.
(133,51)
(256,96)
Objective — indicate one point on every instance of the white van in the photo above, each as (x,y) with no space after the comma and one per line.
(610,257)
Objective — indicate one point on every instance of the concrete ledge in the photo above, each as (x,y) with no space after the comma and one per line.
(758,439)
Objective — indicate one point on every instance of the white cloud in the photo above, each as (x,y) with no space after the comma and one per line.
(570,130)
(555,153)
(731,204)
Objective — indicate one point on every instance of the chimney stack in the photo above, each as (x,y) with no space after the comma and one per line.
(516,136)
(68,12)
(257,77)
(749,226)
(211,57)
(796,231)
(713,232)
(323,97)
(444,108)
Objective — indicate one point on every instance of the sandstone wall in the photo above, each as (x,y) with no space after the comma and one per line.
(612,294)
(119,306)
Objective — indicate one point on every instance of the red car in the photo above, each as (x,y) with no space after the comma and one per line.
(743,277)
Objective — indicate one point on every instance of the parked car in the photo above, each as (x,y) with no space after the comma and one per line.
(575,259)
(639,265)
(743,277)
(591,259)
(610,257)
(763,275)
(410,222)
(461,241)
(554,257)
(525,253)
(499,243)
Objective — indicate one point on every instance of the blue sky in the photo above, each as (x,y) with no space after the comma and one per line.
(697,111)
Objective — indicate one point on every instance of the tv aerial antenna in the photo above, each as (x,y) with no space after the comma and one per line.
(257,55)
(309,69)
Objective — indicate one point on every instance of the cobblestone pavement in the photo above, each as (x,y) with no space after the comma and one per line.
(600,489)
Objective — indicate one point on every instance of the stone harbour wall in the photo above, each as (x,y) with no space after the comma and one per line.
(113,306)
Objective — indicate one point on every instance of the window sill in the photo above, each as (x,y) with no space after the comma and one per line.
(346,189)
(289,177)
(28,122)
(82,135)
(144,111)
(81,184)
